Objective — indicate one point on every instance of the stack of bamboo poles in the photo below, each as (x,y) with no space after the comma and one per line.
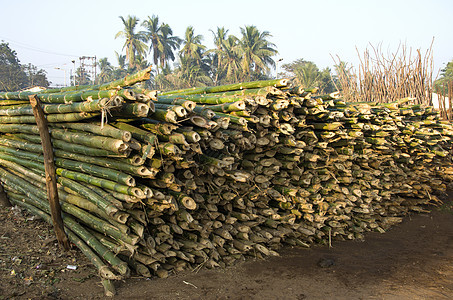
(160,183)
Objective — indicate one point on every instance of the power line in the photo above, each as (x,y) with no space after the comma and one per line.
(29,47)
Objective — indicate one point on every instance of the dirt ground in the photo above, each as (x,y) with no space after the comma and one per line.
(413,260)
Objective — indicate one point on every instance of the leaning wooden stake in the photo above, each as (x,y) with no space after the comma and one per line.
(51,178)
(4,202)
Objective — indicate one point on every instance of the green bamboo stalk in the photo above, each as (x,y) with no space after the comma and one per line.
(159,127)
(104,270)
(24,145)
(87,106)
(200,99)
(109,288)
(52,118)
(133,110)
(228,107)
(85,204)
(168,149)
(4,102)
(137,133)
(103,172)
(204,112)
(90,140)
(74,88)
(184,200)
(88,238)
(99,182)
(120,165)
(134,160)
(180,111)
(101,202)
(139,268)
(187,104)
(129,80)
(230,87)
(106,173)
(98,224)
(62,97)
(164,115)
(190,136)
(150,94)
(65,146)
(327,126)
(89,194)
(113,245)
(233,119)
(105,130)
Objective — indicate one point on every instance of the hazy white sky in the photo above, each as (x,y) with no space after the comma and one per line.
(51,33)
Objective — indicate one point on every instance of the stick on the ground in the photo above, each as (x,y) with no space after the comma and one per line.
(51,178)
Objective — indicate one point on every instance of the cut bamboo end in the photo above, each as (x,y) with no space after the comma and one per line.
(137,192)
(151,106)
(180,111)
(188,203)
(120,217)
(130,181)
(189,105)
(198,121)
(136,160)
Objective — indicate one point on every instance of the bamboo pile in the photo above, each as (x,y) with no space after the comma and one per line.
(204,177)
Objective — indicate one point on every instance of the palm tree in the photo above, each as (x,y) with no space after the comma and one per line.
(191,74)
(121,60)
(308,74)
(121,70)
(219,40)
(106,70)
(163,43)
(256,51)
(153,35)
(192,45)
(170,42)
(134,43)
(231,60)
(141,63)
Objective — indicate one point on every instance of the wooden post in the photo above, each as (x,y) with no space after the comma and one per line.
(4,202)
(51,177)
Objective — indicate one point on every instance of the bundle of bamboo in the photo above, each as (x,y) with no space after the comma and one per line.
(207,176)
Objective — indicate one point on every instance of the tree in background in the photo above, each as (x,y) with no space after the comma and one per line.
(105,71)
(257,52)
(121,70)
(446,76)
(194,64)
(307,74)
(12,75)
(219,39)
(192,48)
(35,76)
(344,75)
(231,70)
(82,77)
(232,59)
(135,41)
(162,41)
(170,42)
